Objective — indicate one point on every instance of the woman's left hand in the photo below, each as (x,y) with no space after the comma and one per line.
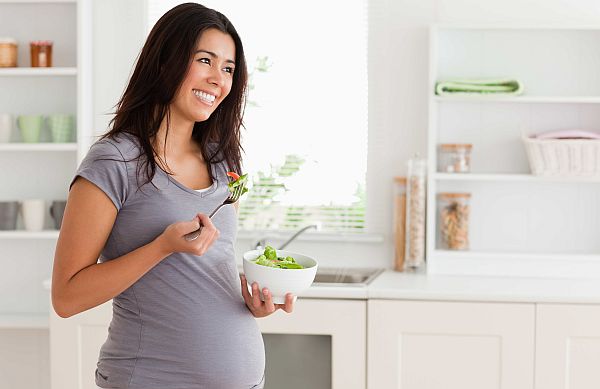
(264,308)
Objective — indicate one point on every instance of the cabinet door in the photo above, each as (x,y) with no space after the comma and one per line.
(344,320)
(567,346)
(74,347)
(450,345)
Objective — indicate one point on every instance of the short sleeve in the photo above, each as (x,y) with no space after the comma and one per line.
(105,167)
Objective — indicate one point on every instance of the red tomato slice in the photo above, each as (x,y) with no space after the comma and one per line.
(233,175)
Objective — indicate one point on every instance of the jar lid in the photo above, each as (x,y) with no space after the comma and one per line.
(41,43)
(9,41)
(454,146)
(455,195)
(400,180)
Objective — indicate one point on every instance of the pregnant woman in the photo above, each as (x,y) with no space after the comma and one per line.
(181,316)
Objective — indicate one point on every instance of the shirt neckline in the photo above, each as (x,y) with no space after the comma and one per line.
(203,192)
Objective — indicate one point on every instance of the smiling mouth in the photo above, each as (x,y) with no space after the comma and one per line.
(204,97)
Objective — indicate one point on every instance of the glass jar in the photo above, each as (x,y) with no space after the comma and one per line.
(8,53)
(416,196)
(454,158)
(41,54)
(453,223)
(399,222)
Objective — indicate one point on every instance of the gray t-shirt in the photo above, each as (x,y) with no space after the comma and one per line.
(184,324)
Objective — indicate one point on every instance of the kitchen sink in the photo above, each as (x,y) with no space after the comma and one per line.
(342,276)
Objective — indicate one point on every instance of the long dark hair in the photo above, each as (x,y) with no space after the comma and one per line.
(160,69)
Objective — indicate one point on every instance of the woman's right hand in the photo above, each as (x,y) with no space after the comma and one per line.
(172,239)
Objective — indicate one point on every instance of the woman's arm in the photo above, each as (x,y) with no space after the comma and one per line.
(78,282)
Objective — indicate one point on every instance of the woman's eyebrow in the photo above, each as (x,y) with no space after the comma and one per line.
(213,55)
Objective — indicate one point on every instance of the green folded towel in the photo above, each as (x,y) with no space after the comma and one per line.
(495,86)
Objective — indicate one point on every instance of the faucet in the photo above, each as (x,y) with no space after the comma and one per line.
(263,241)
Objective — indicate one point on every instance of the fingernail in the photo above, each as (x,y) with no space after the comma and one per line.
(265,291)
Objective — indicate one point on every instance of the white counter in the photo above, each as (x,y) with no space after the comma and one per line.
(409,286)
(394,285)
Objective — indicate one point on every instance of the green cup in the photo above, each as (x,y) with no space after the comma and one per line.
(61,127)
(31,127)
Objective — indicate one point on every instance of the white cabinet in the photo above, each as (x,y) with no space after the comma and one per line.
(344,320)
(568,346)
(450,345)
(75,342)
(520,224)
(74,347)
(38,170)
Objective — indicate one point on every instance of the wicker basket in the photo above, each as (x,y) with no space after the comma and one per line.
(563,157)
(8,53)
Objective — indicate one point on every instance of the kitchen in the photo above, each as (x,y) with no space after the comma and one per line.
(464,320)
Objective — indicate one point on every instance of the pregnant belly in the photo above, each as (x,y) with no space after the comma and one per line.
(218,348)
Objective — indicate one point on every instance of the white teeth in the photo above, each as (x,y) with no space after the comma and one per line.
(204,96)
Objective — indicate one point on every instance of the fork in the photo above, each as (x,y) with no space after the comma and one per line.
(233,197)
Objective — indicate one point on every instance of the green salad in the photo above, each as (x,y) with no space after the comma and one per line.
(236,181)
(270,259)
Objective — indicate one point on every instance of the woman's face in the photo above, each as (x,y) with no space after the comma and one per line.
(209,77)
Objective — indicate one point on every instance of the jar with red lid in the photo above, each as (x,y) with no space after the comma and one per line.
(41,54)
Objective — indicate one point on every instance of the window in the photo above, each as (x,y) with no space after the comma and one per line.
(306,116)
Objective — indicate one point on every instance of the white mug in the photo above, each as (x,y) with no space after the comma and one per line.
(6,127)
(33,212)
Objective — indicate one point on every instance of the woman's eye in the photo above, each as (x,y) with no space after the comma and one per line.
(229,69)
(204,60)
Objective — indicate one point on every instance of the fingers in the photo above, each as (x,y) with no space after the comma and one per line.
(245,293)
(209,231)
(289,303)
(269,306)
(189,226)
(256,303)
(208,235)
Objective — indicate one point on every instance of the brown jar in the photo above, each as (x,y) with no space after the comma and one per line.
(8,53)
(399,222)
(41,54)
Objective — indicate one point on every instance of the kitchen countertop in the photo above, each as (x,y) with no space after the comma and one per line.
(393,285)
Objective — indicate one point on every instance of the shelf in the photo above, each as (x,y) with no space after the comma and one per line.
(25,72)
(495,177)
(489,255)
(517,26)
(38,146)
(518,99)
(36,1)
(24,321)
(21,234)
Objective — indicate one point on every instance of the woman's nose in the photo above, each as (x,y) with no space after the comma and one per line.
(216,77)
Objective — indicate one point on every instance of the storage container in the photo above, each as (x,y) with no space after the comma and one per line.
(563,157)
(8,53)
(399,222)
(453,213)
(416,196)
(41,54)
(454,158)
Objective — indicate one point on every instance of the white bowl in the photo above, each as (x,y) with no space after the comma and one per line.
(280,281)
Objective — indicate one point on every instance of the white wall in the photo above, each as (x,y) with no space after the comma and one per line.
(398,89)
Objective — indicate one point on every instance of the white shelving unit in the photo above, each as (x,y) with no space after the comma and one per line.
(520,224)
(38,147)
(28,72)
(39,170)
(45,234)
